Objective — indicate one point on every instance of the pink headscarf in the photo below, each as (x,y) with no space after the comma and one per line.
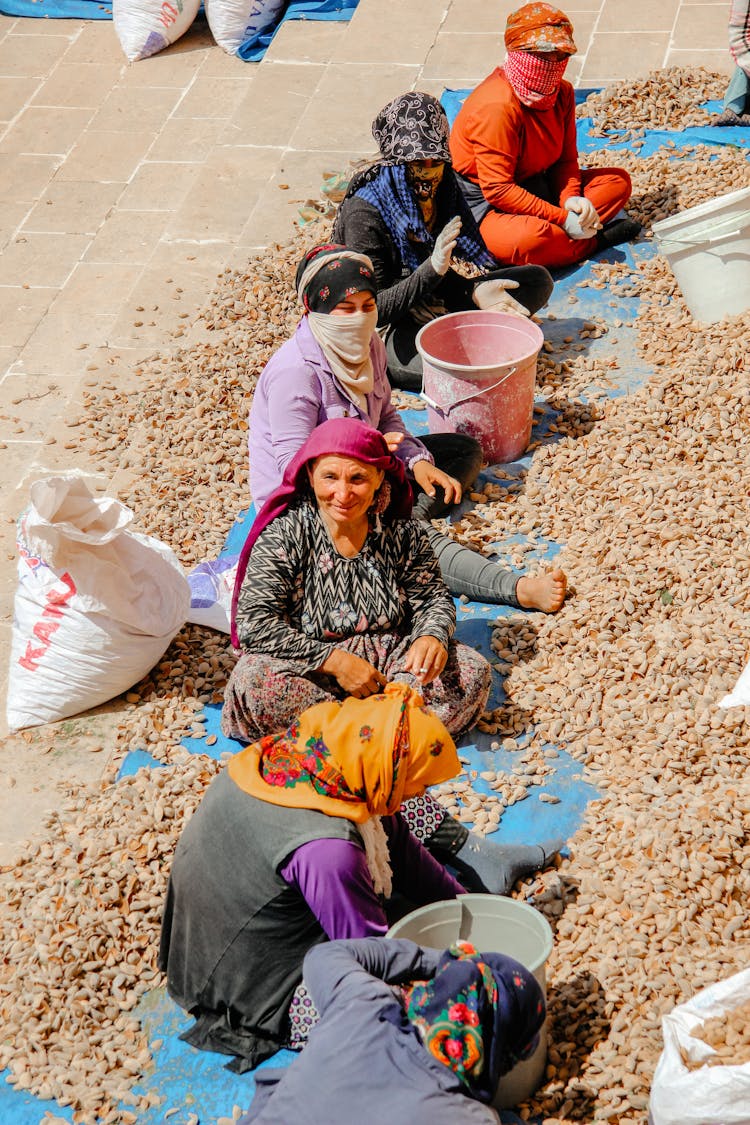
(345,437)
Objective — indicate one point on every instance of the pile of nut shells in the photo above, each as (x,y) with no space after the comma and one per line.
(647,495)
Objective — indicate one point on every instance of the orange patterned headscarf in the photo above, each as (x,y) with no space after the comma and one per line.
(539,27)
(356,759)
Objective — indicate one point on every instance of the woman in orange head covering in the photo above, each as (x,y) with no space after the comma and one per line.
(514,147)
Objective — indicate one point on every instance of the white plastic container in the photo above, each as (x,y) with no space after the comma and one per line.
(493,925)
(708,248)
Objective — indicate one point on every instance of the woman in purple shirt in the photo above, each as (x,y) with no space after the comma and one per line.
(298,841)
(335,367)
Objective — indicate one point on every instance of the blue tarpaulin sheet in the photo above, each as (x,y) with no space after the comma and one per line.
(194,1082)
(57,9)
(252,50)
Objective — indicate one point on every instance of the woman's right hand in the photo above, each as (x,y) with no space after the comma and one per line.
(574,228)
(393,439)
(356,676)
(445,244)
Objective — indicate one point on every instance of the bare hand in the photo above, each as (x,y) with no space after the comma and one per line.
(356,676)
(426,658)
(393,439)
(428,476)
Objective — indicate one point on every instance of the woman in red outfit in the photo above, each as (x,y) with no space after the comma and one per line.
(514,148)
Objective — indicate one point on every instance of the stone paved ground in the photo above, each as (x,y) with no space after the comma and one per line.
(124,189)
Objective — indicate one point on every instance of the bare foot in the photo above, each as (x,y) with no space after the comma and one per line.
(547,592)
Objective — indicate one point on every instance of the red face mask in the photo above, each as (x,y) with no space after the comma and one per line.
(535,81)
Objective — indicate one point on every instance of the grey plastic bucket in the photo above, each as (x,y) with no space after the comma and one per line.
(493,925)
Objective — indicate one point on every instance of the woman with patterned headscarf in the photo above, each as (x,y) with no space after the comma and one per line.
(297,841)
(408,215)
(405,1034)
(514,146)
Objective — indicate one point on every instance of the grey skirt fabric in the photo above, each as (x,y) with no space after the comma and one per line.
(226,907)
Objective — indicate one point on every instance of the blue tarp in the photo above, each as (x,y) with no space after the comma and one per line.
(252,50)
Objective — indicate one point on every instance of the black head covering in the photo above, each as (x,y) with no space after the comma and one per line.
(336,280)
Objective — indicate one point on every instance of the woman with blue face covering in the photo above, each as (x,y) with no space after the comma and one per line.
(408,214)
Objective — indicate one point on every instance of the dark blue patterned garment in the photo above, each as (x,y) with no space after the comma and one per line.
(387,188)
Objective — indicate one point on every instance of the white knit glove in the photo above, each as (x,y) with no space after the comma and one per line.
(494,295)
(445,244)
(587,214)
(572,227)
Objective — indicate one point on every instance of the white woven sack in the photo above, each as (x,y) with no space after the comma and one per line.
(96,605)
(709,1095)
(232,22)
(145,27)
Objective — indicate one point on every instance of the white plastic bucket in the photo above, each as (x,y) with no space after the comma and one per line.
(493,925)
(708,248)
(479,376)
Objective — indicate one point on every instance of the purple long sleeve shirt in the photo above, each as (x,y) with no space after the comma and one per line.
(296,392)
(334,879)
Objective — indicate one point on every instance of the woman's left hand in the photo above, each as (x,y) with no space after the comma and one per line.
(427,476)
(426,658)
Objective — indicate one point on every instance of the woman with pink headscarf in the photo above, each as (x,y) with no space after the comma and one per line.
(514,149)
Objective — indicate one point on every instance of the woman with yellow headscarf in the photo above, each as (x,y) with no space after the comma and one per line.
(298,841)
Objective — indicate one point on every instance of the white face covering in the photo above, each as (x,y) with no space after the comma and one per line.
(345,342)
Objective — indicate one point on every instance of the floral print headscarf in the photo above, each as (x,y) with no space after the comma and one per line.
(539,27)
(356,759)
(479,1015)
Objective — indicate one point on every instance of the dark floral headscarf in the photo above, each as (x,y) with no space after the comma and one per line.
(479,1015)
(341,272)
(414,127)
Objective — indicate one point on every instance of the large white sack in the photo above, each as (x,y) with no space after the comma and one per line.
(145,27)
(96,605)
(232,22)
(710,1095)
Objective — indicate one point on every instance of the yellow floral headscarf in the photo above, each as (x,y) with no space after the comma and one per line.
(356,759)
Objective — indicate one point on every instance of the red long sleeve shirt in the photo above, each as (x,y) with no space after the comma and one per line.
(498,143)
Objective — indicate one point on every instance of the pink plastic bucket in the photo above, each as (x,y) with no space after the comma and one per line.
(479,378)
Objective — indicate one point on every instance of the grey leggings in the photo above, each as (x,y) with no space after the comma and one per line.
(464,571)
